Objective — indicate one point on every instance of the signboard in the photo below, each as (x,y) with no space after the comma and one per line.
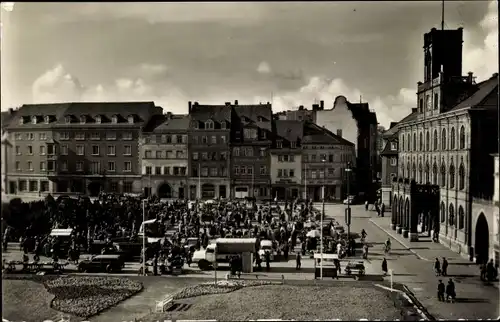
(348,216)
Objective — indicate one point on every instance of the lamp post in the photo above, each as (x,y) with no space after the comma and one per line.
(322,216)
(348,215)
(144,237)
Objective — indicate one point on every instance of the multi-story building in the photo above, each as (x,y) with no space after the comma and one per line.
(300,114)
(444,152)
(77,147)
(253,133)
(496,212)
(6,147)
(164,156)
(325,156)
(209,137)
(286,159)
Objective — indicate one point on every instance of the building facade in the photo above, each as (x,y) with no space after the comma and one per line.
(444,152)
(164,156)
(7,148)
(325,157)
(209,138)
(253,134)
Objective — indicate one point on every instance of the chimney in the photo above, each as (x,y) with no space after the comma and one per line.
(470,77)
(236,102)
(495,75)
(189,106)
(228,103)
(322,105)
(11,111)
(414,110)
(301,107)
(168,115)
(268,103)
(339,132)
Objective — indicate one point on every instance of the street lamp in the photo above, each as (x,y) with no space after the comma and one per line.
(322,216)
(348,214)
(144,236)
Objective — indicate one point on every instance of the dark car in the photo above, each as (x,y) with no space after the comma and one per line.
(102,263)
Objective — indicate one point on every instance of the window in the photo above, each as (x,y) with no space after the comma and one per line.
(29,166)
(157,170)
(452,139)
(436,101)
(23,185)
(263,170)
(443,175)
(51,165)
(420,142)
(402,142)
(293,145)
(461,218)
(114,119)
(64,165)
(67,119)
(263,133)
(313,157)
(127,136)
(33,119)
(213,139)
(331,172)
(461,177)
(149,170)
(236,169)
(408,142)
(427,141)
(204,172)
(95,150)
(64,136)
(130,119)
(179,154)
(127,166)
(451,215)
(223,125)
(80,136)
(280,173)
(435,174)
(209,125)
(153,138)
(236,152)
(250,134)
(223,156)
(279,144)
(42,166)
(195,155)
(51,150)
(179,139)
(19,137)
(428,105)
(98,119)
(147,154)
(213,172)
(204,155)
(224,171)
(292,158)
(462,138)
(64,150)
(83,119)
(18,150)
(111,150)
(249,152)
(452,176)
(285,158)
(95,167)
(158,154)
(242,170)
(421,105)
(80,150)
(127,187)
(313,174)
(95,136)
(443,139)
(44,186)
(435,141)
(31,136)
(113,186)
(262,152)
(394,162)
(166,171)
(79,166)
(42,136)
(110,136)
(291,173)
(127,150)
(170,154)
(176,171)
(33,185)
(204,140)
(394,146)
(30,150)
(250,170)
(414,142)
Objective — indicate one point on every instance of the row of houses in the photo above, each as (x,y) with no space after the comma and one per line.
(440,163)
(213,151)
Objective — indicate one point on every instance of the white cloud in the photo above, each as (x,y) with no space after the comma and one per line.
(56,85)
(483,60)
(8,6)
(264,68)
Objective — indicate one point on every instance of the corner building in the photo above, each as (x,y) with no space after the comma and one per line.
(445,152)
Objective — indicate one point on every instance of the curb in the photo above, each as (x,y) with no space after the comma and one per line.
(396,239)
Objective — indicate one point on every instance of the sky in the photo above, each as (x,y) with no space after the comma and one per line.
(287,53)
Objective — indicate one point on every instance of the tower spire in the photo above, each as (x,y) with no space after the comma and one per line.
(442,15)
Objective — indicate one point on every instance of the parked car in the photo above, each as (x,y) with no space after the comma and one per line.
(102,263)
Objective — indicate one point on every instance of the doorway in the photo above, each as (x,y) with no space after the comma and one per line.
(165,191)
(482,246)
(94,189)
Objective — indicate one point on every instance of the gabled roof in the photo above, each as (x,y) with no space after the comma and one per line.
(387,148)
(6,117)
(254,113)
(395,127)
(289,130)
(485,88)
(28,110)
(314,134)
(173,123)
(217,113)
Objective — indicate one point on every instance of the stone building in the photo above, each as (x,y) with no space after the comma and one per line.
(6,147)
(164,156)
(325,156)
(253,134)
(444,151)
(209,138)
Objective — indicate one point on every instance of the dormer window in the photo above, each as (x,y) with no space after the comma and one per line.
(47,119)
(114,119)
(83,119)
(33,120)
(209,125)
(279,144)
(21,120)
(394,146)
(223,125)
(130,119)
(98,119)
(260,119)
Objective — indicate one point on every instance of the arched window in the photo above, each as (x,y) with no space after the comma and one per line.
(420,141)
(452,139)
(462,137)
(435,147)
(427,173)
(414,141)
(427,141)
(414,171)
(443,175)
(451,215)
(408,143)
(461,177)
(420,177)
(452,176)
(461,218)
(443,139)
(435,174)
(443,212)
(408,169)
(209,124)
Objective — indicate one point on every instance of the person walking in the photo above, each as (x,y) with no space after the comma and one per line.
(437,267)
(450,291)
(441,289)
(366,205)
(384,266)
(297,261)
(490,271)
(444,267)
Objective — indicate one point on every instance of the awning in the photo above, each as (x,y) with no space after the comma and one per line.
(61,232)
(236,245)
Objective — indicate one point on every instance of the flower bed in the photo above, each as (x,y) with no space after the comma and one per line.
(222,287)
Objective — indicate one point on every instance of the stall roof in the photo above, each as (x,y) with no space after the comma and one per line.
(326,256)
(61,232)
(236,245)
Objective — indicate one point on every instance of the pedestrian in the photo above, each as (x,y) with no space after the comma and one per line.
(437,267)
(441,289)
(268,260)
(285,251)
(384,266)
(155,265)
(444,267)
(382,210)
(483,272)
(450,291)
(490,271)
(366,205)
(297,261)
